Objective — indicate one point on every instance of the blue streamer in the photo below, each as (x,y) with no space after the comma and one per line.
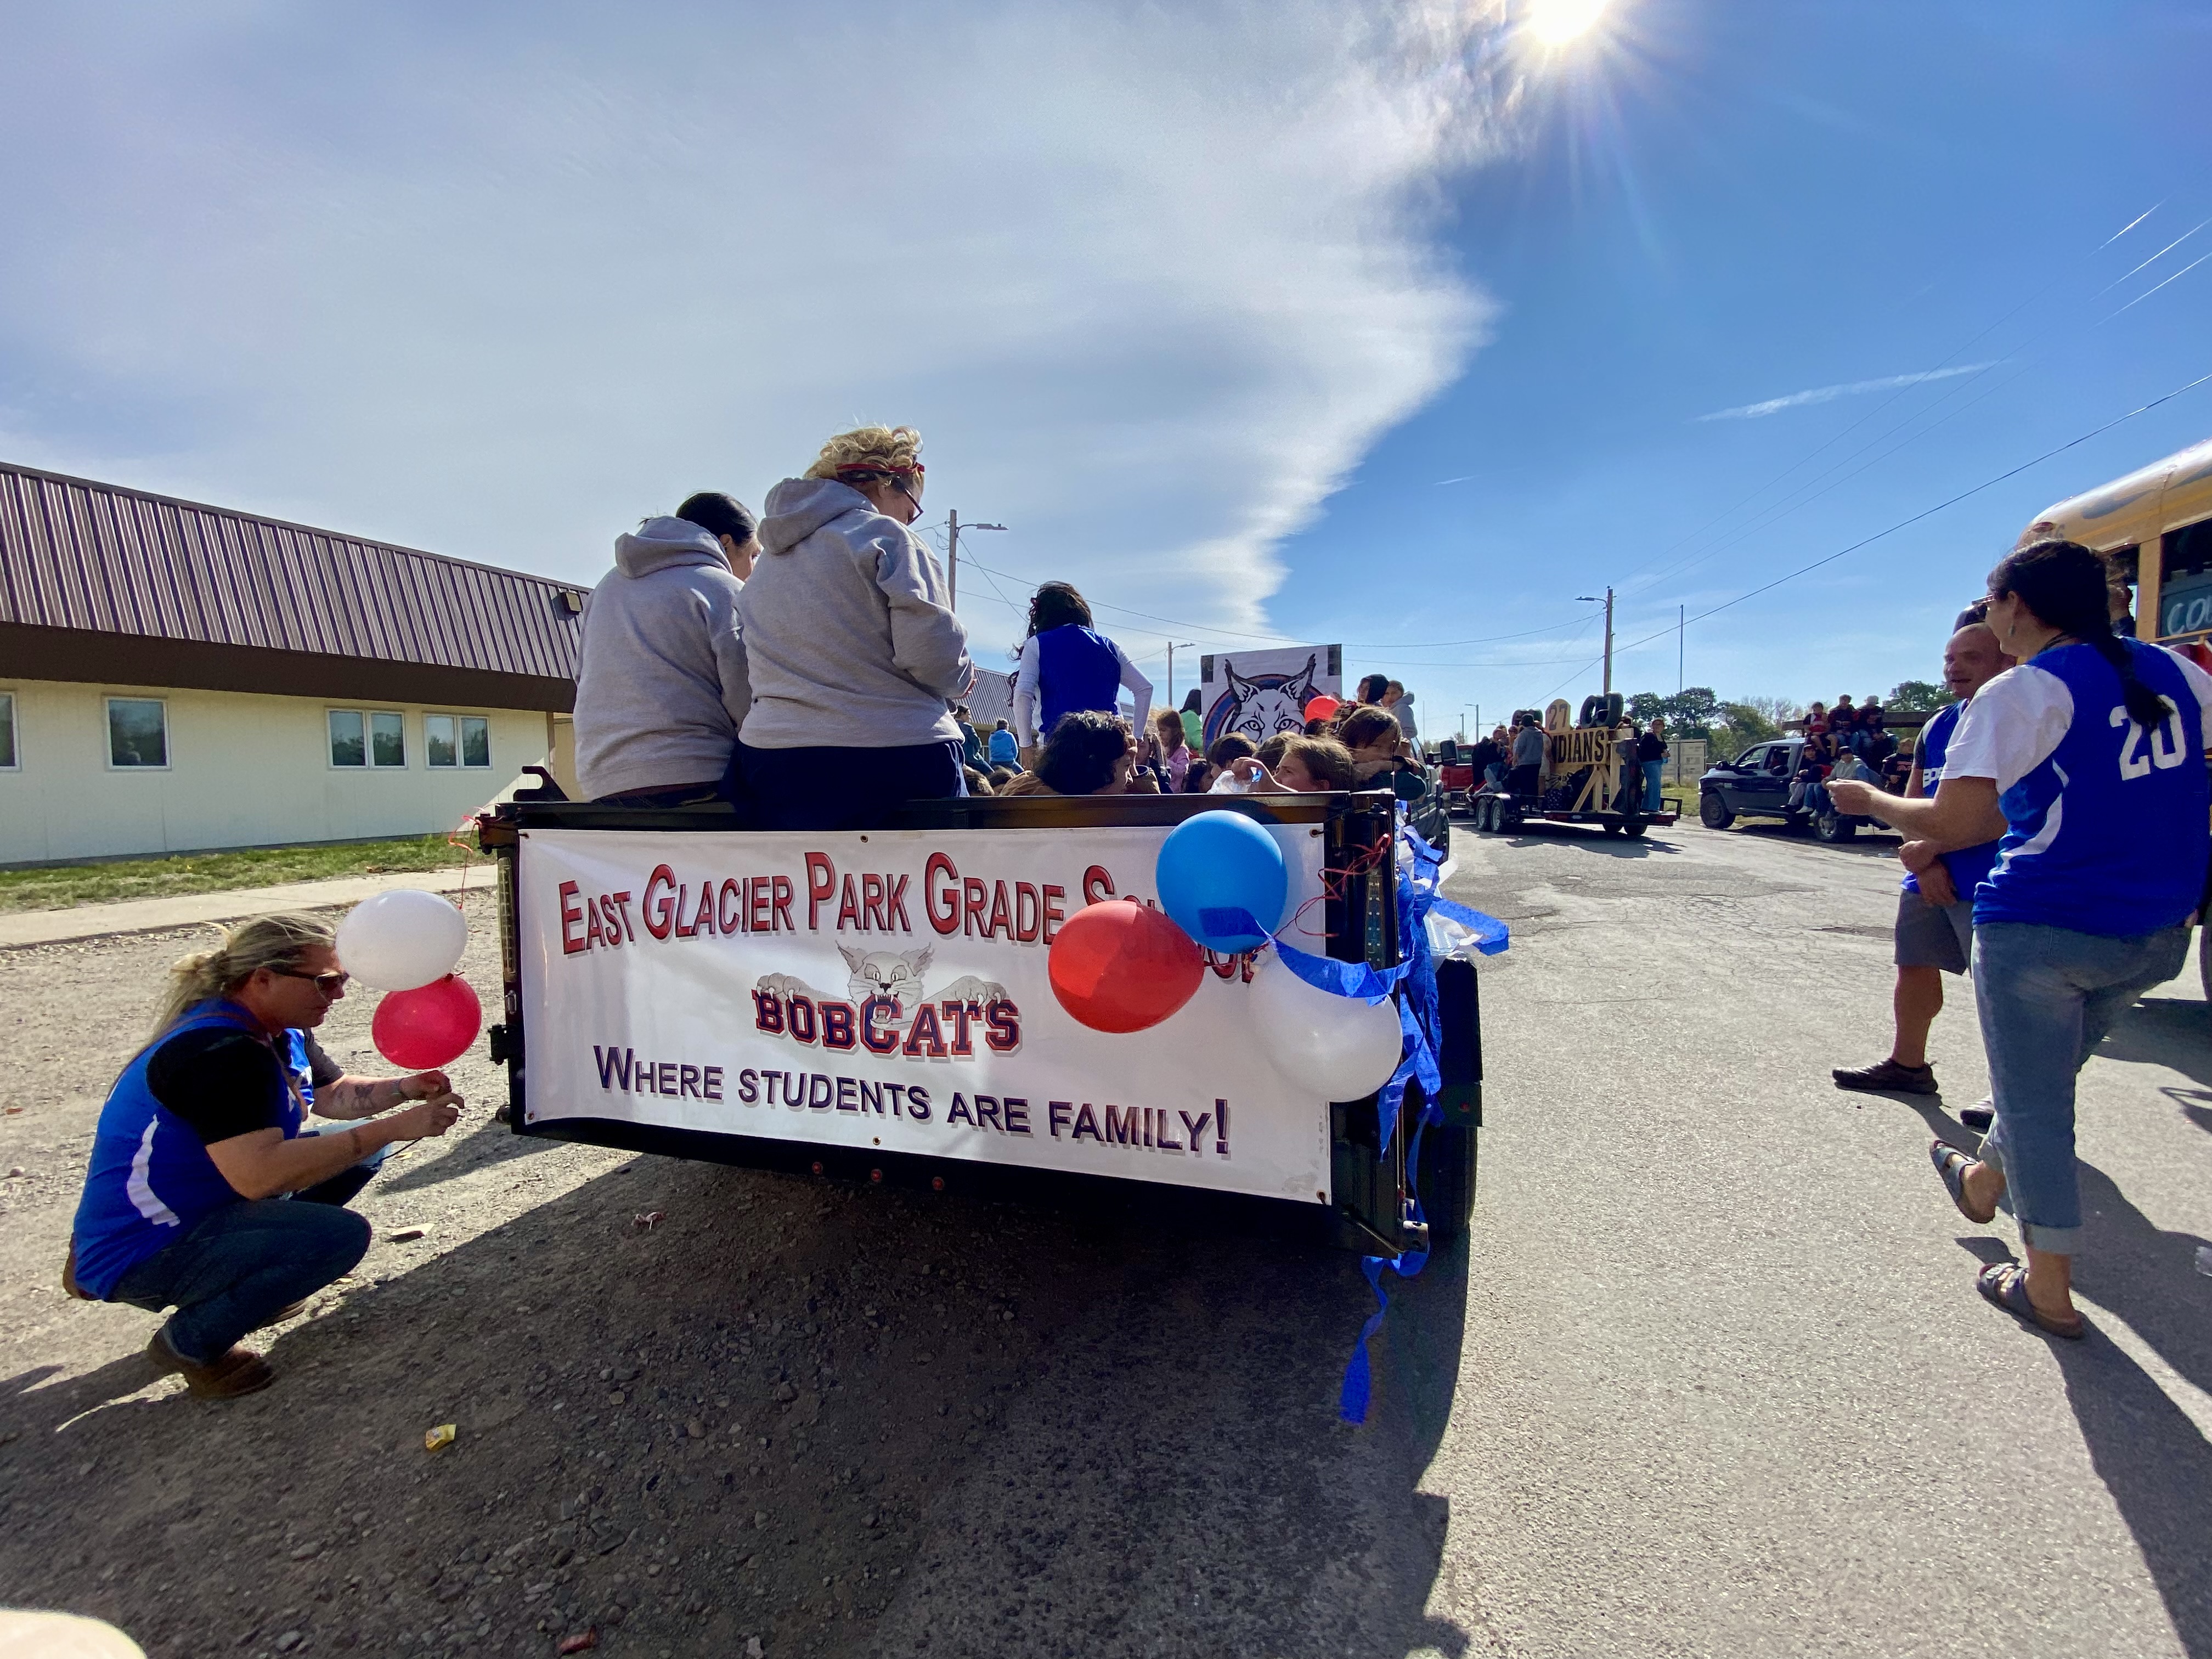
(1344,978)
(1418,897)
(1357,1387)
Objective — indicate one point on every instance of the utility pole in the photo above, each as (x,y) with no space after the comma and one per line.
(1608,642)
(1591,598)
(1680,629)
(952,554)
(1187,645)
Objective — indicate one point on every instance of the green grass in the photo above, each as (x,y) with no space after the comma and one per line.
(58,887)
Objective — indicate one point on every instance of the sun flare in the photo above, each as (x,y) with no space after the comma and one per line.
(1555,22)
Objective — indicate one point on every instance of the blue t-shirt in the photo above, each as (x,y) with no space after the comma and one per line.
(151,1181)
(1969,867)
(2108,832)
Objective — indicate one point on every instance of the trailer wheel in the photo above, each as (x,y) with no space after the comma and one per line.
(1445,1180)
(1713,811)
(1635,831)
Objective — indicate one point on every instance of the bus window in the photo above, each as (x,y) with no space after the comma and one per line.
(2184,597)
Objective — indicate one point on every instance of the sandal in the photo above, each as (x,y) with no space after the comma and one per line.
(1951,1165)
(2005,1284)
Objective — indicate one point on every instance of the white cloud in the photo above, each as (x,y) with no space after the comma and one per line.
(1824,394)
(1151,280)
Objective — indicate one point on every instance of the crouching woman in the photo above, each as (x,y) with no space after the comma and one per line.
(207,1193)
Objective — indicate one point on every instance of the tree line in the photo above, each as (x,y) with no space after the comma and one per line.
(1731,727)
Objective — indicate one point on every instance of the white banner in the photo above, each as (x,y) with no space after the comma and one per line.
(1260,693)
(889,990)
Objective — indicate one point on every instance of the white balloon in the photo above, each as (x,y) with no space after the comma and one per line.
(397,940)
(1339,1047)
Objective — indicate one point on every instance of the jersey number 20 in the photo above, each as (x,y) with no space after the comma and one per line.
(2165,744)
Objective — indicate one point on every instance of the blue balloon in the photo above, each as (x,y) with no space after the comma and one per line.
(1221,877)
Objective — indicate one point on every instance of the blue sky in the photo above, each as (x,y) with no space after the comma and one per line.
(1206,302)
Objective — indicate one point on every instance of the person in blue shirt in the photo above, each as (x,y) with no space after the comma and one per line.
(1934,926)
(1004,750)
(1064,666)
(206,1192)
(2088,760)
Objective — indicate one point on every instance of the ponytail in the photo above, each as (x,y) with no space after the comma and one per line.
(2065,587)
(276,941)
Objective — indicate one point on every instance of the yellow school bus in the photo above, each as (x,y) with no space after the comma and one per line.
(2155,528)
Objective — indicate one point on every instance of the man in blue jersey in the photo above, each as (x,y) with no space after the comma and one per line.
(2088,757)
(207,1193)
(1936,912)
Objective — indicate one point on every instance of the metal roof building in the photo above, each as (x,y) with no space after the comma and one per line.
(177,677)
(100,583)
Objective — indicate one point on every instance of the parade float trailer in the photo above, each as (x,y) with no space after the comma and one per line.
(876,1006)
(1589,775)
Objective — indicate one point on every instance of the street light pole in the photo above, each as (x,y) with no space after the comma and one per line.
(1187,645)
(952,554)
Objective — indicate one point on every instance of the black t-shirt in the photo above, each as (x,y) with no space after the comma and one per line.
(1487,755)
(1650,747)
(223,1082)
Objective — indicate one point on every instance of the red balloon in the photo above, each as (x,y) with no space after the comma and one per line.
(1320,708)
(423,1029)
(1121,966)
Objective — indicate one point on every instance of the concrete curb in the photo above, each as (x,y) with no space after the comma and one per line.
(23,928)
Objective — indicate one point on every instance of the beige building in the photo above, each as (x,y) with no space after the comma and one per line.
(176,678)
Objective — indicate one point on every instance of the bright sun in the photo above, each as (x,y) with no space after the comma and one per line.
(1555,22)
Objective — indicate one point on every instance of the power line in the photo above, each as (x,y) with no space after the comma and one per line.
(1282,639)
(1772,514)
(1986,483)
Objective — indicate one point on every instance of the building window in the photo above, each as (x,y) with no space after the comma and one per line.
(138,732)
(387,740)
(371,739)
(349,738)
(457,740)
(8,761)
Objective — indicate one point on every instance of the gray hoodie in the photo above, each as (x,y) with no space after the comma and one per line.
(1403,709)
(661,689)
(853,643)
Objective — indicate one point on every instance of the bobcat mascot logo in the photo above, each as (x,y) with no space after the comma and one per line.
(886,1010)
(894,976)
(1262,705)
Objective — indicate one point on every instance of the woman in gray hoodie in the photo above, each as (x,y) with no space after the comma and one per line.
(853,649)
(661,686)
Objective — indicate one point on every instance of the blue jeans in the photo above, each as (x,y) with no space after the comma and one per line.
(1653,800)
(242,1263)
(2047,996)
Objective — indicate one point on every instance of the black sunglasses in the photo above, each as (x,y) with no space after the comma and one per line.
(331,985)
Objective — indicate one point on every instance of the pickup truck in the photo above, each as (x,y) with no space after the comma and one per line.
(1756,784)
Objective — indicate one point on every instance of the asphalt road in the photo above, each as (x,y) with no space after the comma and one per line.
(1709,1377)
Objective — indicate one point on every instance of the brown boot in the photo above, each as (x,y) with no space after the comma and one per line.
(239,1371)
